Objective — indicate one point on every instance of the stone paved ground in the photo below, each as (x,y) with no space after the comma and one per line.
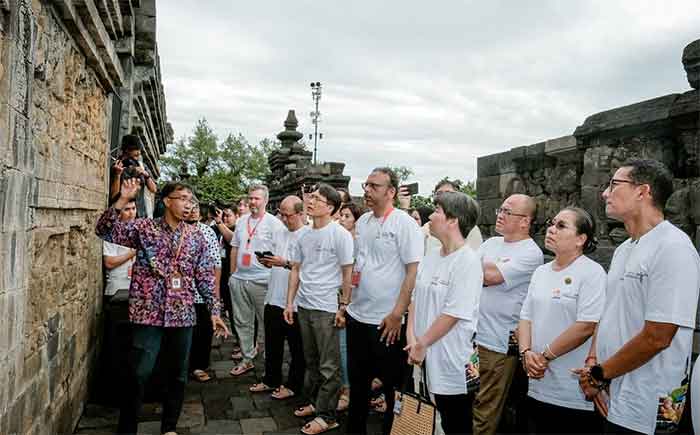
(221,406)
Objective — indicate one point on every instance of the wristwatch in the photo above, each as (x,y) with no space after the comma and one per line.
(287,265)
(598,376)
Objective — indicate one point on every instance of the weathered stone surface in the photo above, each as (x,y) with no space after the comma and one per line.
(258,425)
(691,63)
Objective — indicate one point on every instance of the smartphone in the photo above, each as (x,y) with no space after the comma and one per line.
(411,189)
(263,254)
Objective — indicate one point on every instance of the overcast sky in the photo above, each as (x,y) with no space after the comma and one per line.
(428,85)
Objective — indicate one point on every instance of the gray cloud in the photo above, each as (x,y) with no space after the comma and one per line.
(427,85)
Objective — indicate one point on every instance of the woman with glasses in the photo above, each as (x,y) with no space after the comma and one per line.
(564,302)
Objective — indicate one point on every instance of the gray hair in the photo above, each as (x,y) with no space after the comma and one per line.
(262,188)
(460,206)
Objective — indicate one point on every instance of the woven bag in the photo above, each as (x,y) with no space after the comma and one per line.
(414,414)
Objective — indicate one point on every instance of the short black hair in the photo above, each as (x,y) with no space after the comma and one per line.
(174,186)
(460,206)
(425,211)
(332,196)
(131,142)
(446,181)
(585,224)
(356,210)
(393,178)
(656,175)
(344,195)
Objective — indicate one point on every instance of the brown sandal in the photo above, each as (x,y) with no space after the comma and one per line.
(201,375)
(242,368)
(305,411)
(318,425)
(282,393)
(260,388)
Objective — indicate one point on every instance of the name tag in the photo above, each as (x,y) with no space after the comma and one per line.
(245,260)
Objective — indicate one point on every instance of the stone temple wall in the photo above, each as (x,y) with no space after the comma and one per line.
(74,77)
(574,170)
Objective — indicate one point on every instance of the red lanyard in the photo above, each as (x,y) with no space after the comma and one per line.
(386,216)
(251,234)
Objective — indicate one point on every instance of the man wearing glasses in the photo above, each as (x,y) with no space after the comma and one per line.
(171,266)
(508,263)
(637,368)
(390,245)
(321,261)
(249,277)
(291,212)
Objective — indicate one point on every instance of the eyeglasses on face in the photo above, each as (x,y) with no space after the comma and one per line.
(559,224)
(372,186)
(316,197)
(508,212)
(616,182)
(285,215)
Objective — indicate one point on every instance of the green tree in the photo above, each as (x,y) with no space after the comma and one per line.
(219,172)
(403,172)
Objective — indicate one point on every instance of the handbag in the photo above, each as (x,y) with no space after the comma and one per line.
(414,413)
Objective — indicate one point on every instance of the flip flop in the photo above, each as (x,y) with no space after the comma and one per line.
(282,393)
(260,388)
(318,425)
(305,411)
(241,368)
(201,375)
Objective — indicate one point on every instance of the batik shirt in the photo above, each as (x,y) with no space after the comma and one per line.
(151,300)
(212,251)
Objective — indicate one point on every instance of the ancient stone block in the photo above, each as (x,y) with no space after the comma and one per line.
(691,63)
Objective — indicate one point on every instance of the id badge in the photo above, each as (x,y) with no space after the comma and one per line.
(245,260)
(398,403)
(128,272)
(176,281)
(356,274)
(556,293)
(222,253)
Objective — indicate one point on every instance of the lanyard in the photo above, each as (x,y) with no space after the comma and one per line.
(251,233)
(381,223)
(184,233)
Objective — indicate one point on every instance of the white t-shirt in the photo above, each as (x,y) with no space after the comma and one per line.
(474,239)
(499,308)
(261,240)
(321,253)
(657,279)
(448,285)
(555,301)
(119,277)
(384,248)
(282,242)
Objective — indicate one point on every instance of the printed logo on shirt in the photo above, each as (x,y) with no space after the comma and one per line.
(568,280)
(437,281)
(556,293)
(502,259)
(637,276)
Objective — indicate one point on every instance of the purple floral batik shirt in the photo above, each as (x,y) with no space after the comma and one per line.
(152,301)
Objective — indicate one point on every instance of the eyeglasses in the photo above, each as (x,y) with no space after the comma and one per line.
(372,186)
(187,199)
(508,212)
(285,215)
(318,198)
(560,225)
(616,182)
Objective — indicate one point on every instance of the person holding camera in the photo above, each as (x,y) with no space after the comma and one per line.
(127,166)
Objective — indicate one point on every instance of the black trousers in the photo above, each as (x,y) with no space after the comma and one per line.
(455,413)
(276,331)
(366,356)
(147,342)
(614,429)
(202,334)
(548,418)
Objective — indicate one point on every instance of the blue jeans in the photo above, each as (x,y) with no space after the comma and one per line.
(344,357)
(147,342)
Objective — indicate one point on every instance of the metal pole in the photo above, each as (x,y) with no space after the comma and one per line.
(316,132)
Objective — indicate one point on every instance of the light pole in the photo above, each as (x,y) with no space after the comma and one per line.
(315,115)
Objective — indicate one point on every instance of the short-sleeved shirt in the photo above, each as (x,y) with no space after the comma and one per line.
(119,277)
(656,279)
(384,247)
(499,307)
(259,232)
(448,285)
(321,253)
(555,301)
(282,242)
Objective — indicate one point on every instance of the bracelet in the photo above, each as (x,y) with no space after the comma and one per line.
(524,351)
(547,350)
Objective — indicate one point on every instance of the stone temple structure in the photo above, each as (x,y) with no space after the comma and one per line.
(576,169)
(291,166)
(75,75)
